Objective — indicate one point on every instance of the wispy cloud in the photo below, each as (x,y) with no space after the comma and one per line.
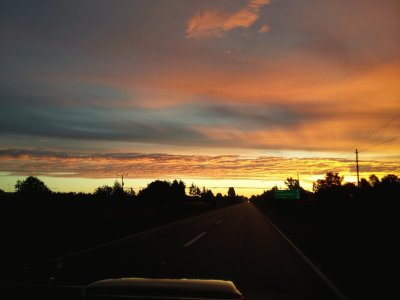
(22,162)
(188,124)
(216,23)
(264,29)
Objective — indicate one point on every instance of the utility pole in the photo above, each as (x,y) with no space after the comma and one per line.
(122,178)
(298,179)
(358,170)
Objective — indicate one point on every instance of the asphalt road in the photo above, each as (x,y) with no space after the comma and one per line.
(236,243)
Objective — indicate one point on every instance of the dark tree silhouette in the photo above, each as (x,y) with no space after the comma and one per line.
(349,189)
(207,194)
(292,183)
(364,184)
(118,191)
(390,179)
(179,189)
(157,192)
(104,192)
(390,186)
(132,193)
(231,192)
(194,190)
(374,180)
(332,181)
(32,186)
(219,196)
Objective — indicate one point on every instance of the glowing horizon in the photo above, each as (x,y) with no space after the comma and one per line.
(83,172)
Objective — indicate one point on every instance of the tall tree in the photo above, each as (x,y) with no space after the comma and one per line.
(390,179)
(31,186)
(104,192)
(158,191)
(118,191)
(331,181)
(194,190)
(231,192)
(178,189)
(207,194)
(374,180)
(292,183)
(364,184)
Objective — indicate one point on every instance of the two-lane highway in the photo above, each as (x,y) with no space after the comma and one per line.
(236,243)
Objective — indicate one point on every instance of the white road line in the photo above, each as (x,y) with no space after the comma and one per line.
(194,240)
(149,231)
(220,221)
(324,278)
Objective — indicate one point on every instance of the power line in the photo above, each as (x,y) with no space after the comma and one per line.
(359,143)
(385,142)
(379,128)
(373,146)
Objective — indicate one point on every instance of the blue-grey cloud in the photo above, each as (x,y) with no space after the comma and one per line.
(247,116)
(170,126)
(106,125)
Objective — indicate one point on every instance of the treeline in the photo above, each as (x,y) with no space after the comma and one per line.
(157,193)
(336,203)
(346,230)
(52,224)
(333,191)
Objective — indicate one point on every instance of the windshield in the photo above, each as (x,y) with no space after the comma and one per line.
(247,141)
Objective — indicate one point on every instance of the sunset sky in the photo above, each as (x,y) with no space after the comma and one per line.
(220,93)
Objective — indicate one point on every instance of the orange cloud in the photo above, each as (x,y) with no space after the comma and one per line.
(338,106)
(217,167)
(264,29)
(215,23)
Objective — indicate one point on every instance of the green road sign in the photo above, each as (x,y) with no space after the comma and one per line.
(287,194)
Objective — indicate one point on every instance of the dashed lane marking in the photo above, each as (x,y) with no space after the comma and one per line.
(191,242)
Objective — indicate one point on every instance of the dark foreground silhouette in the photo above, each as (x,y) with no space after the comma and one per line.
(347,231)
(38,224)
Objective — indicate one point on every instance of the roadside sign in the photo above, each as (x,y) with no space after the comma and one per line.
(287,194)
